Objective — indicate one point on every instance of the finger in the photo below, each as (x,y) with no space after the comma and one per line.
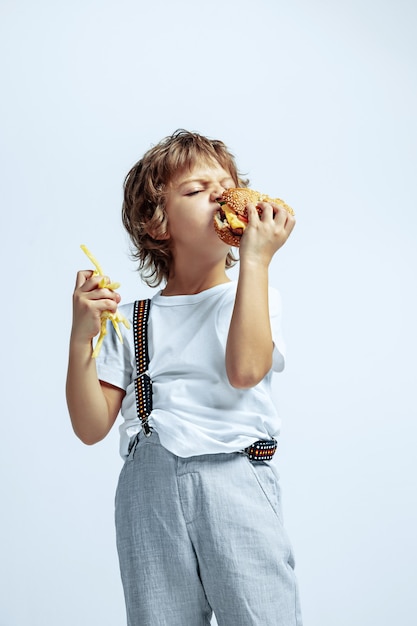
(252,212)
(104,294)
(94,282)
(96,308)
(283,207)
(290,223)
(82,277)
(281,216)
(267,212)
(108,305)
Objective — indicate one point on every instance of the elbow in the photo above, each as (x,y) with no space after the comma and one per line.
(90,441)
(247,378)
(242,382)
(88,438)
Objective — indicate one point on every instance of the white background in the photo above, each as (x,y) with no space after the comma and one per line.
(318,102)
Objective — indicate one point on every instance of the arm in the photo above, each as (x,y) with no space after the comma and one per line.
(93,406)
(249,345)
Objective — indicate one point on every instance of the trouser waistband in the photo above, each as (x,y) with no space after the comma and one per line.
(261,450)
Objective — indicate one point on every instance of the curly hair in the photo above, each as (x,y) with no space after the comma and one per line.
(145,187)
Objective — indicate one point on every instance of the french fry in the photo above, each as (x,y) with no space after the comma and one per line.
(116,318)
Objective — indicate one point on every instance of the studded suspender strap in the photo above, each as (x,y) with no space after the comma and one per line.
(143,383)
(261,450)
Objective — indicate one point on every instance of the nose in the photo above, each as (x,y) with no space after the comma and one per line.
(216,194)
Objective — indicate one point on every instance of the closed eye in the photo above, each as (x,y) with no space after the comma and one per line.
(194,193)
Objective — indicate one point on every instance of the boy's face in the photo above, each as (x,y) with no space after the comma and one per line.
(191,202)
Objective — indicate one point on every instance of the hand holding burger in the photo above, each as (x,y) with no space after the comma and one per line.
(231,219)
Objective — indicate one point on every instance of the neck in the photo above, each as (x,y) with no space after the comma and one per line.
(192,278)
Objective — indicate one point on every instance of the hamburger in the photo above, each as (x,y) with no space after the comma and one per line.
(231,218)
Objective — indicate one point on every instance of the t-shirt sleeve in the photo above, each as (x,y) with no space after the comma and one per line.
(275,313)
(115,362)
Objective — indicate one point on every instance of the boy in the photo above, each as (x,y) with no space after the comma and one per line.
(198,521)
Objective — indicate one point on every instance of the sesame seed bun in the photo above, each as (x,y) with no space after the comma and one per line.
(230,220)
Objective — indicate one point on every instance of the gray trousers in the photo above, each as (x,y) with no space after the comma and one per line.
(202,534)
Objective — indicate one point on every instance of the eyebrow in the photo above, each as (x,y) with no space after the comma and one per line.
(202,181)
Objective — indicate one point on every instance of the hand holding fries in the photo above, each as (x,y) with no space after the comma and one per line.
(116,317)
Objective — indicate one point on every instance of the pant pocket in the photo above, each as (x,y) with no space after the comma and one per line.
(269,484)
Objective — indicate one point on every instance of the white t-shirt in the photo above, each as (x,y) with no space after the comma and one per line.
(195,409)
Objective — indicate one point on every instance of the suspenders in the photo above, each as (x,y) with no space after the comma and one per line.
(143,383)
(258,451)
